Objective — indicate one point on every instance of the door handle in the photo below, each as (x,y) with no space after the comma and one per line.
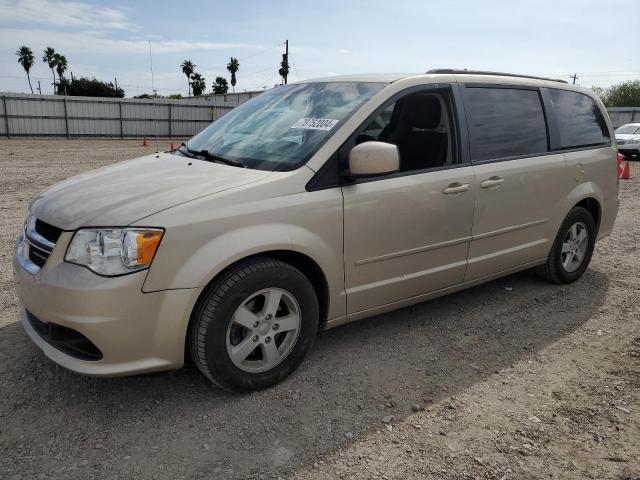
(491,182)
(456,188)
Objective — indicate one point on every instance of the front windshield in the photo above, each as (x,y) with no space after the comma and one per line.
(628,129)
(280,129)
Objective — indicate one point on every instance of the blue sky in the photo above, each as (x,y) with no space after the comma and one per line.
(110,39)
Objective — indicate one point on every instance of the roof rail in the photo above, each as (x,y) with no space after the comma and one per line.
(481,72)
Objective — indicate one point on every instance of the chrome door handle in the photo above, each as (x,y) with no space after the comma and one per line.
(456,188)
(491,182)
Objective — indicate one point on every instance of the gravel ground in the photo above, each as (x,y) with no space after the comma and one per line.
(514,379)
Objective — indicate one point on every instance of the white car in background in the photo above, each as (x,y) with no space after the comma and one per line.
(628,139)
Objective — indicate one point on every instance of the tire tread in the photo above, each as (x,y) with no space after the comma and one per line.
(549,270)
(210,301)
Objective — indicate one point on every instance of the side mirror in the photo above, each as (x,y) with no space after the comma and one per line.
(373,158)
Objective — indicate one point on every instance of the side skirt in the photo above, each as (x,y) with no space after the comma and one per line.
(428,296)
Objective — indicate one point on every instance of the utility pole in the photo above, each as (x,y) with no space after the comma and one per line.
(574,77)
(284,65)
(116,82)
(39,89)
(151,68)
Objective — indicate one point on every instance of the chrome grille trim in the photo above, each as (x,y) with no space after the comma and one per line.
(33,236)
(33,248)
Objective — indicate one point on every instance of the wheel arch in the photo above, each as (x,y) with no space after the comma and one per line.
(587,195)
(592,205)
(307,266)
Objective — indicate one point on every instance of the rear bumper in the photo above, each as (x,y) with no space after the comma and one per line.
(134,332)
(609,214)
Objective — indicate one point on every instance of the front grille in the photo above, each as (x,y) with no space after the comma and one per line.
(49,232)
(41,238)
(67,340)
(38,256)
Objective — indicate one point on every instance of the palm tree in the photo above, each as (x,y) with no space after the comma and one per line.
(220,86)
(198,83)
(233,67)
(49,59)
(26,59)
(61,64)
(188,68)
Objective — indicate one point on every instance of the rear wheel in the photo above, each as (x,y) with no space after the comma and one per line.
(254,326)
(572,249)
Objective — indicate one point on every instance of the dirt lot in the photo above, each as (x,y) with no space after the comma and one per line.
(515,379)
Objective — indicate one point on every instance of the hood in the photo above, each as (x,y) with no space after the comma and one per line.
(122,193)
(627,136)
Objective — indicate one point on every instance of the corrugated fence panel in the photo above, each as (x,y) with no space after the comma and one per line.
(3,119)
(113,117)
(621,115)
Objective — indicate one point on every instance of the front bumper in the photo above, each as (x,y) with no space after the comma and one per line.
(135,332)
(629,147)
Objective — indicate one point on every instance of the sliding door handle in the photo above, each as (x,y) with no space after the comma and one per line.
(492,182)
(456,188)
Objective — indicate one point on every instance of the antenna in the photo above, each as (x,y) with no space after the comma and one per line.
(155,105)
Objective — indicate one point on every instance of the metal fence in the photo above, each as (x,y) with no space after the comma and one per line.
(621,115)
(59,116)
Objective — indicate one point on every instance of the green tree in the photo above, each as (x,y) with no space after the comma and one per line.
(61,64)
(86,87)
(27,60)
(49,59)
(233,66)
(220,86)
(625,94)
(198,84)
(188,67)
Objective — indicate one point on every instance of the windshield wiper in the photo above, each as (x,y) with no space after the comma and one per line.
(214,158)
(184,150)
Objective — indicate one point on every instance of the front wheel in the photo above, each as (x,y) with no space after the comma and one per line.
(254,326)
(572,249)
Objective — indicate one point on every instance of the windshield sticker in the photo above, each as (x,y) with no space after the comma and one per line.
(315,123)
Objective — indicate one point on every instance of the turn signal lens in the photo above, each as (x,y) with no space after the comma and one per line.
(114,251)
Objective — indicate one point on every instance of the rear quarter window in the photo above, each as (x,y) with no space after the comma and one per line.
(580,121)
(504,122)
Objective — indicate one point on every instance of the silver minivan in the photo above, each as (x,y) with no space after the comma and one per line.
(313,205)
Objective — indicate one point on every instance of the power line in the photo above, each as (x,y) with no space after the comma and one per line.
(259,71)
(295,68)
(260,52)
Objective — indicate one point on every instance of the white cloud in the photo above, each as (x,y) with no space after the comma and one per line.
(97,44)
(65,14)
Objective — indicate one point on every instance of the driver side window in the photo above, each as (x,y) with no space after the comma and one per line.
(420,125)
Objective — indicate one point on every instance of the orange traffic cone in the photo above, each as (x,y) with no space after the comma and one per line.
(626,173)
(620,159)
(144,141)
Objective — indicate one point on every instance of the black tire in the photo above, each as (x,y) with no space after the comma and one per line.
(553,270)
(211,319)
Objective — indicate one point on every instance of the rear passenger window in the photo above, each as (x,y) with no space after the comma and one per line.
(580,121)
(504,122)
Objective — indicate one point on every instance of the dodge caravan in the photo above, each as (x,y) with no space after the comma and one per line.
(309,206)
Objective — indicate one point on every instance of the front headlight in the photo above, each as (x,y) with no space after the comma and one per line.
(114,251)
